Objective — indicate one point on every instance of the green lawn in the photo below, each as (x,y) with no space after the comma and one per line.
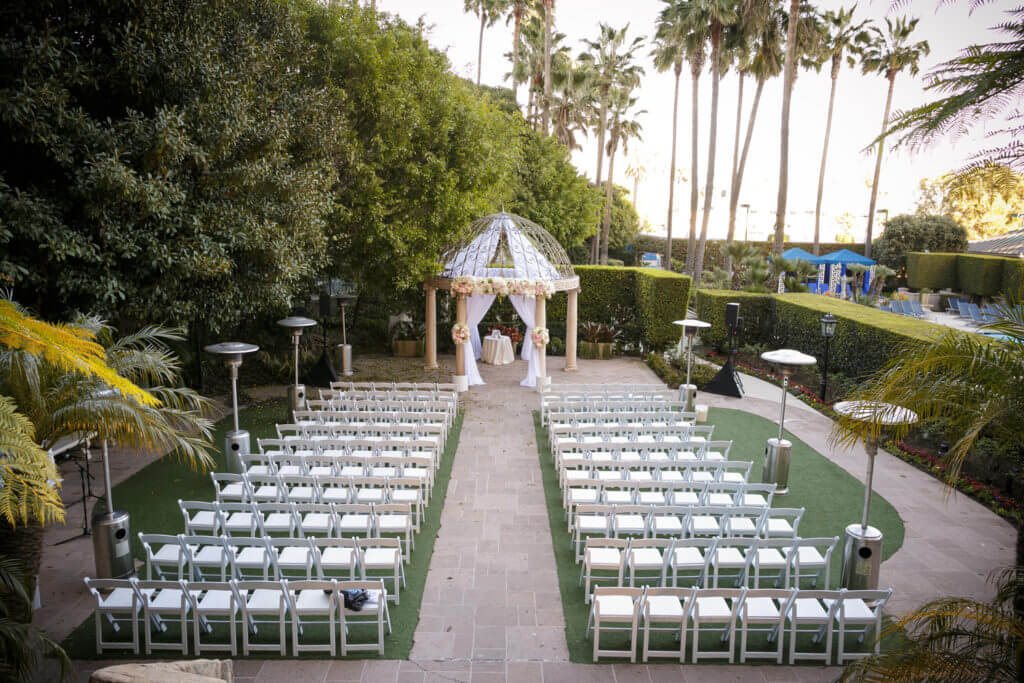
(832,498)
(151,496)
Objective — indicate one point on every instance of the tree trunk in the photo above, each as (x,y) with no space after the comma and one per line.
(878,166)
(733,193)
(709,184)
(636,186)
(741,169)
(518,15)
(787,98)
(837,60)
(608,200)
(480,45)
(595,245)
(672,170)
(23,542)
(691,245)
(548,7)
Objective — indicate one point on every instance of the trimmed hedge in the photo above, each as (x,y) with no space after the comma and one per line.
(648,299)
(865,340)
(755,309)
(979,274)
(932,271)
(974,274)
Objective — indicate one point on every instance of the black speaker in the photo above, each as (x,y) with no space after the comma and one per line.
(732,315)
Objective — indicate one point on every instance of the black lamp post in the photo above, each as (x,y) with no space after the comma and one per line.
(828,330)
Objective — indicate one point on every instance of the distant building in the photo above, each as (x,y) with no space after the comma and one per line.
(1007,244)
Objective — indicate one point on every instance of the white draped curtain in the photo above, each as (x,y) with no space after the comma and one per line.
(477,306)
(527,311)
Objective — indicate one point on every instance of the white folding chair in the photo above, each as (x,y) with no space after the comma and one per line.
(118,604)
(646,555)
(315,519)
(335,489)
(859,612)
(264,604)
(733,555)
(168,553)
(614,609)
(589,520)
(395,520)
(764,610)
(230,488)
(811,556)
(630,520)
(334,557)
(240,519)
(690,560)
(213,603)
(206,552)
(292,555)
(300,489)
(265,488)
(381,558)
(772,560)
(201,517)
(812,612)
(668,520)
(354,518)
(276,519)
(717,609)
(163,602)
(374,612)
(312,603)
(251,554)
(602,555)
(408,491)
(782,522)
(666,609)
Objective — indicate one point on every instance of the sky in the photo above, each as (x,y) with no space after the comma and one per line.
(860,101)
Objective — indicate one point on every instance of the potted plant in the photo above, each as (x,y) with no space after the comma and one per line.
(598,340)
(405,339)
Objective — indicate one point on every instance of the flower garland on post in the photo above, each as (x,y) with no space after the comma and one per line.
(467,285)
(460,333)
(540,337)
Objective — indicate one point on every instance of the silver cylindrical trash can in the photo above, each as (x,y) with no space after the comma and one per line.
(862,557)
(345,359)
(297,396)
(111,545)
(236,444)
(776,465)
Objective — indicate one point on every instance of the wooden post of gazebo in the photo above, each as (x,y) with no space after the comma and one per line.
(461,381)
(570,330)
(431,318)
(540,320)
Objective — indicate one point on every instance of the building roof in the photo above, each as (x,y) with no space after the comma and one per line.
(1008,244)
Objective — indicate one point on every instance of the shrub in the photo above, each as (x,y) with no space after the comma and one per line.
(979,274)
(674,376)
(909,233)
(1013,278)
(932,271)
(661,298)
(755,309)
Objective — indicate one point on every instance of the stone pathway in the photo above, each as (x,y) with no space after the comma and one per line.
(491,609)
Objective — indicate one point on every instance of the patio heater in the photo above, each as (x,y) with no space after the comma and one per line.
(777,451)
(111,528)
(828,330)
(862,549)
(690,328)
(297,392)
(236,442)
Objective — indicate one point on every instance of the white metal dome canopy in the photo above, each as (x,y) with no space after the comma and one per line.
(511,247)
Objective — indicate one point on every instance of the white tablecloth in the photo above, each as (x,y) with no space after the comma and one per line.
(497,350)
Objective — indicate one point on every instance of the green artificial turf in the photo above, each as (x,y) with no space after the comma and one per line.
(151,496)
(832,498)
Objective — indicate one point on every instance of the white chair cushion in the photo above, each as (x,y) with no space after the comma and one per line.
(605,557)
(713,609)
(645,558)
(618,607)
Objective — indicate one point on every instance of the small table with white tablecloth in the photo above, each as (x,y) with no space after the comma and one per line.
(497,350)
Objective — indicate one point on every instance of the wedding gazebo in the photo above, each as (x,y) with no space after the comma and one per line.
(503,255)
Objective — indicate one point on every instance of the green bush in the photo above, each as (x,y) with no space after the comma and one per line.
(661,298)
(979,274)
(934,271)
(1013,278)
(911,233)
(755,309)
(675,376)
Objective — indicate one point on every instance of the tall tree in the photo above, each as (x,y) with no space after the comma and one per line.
(720,13)
(549,10)
(888,53)
(611,60)
(518,11)
(572,104)
(488,11)
(637,172)
(788,78)
(622,130)
(841,42)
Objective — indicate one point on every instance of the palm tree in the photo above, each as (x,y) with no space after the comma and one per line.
(637,172)
(972,384)
(720,13)
(889,53)
(60,404)
(549,10)
(21,643)
(610,60)
(572,106)
(672,41)
(842,42)
(518,10)
(622,129)
(488,11)
(788,78)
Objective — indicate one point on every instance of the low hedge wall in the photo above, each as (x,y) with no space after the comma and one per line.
(865,340)
(644,301)
(974,274)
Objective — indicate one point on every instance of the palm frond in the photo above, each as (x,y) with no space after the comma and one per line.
(28,473)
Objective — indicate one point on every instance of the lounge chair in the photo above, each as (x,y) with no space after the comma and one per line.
(916,309)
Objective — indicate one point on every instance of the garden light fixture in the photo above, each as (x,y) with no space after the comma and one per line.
(828,330)
(777,451)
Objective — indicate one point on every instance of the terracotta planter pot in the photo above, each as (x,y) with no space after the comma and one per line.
(406,348)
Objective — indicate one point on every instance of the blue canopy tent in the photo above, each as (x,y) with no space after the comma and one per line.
(845,257)
(798,254)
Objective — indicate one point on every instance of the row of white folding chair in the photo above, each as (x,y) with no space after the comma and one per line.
(708,562)
(347,433)
(360,418)
(448,387)
(551,405)
(578,413)
(685,472)
(346,447)
(383,464)
(668,493)
(640,450)
(623,431)
(382,406)
(690,613)
(244,488)
(195,556)
(361,395)
(558,389)
(681,521)
(566,421)
(299,520)
(267,605)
